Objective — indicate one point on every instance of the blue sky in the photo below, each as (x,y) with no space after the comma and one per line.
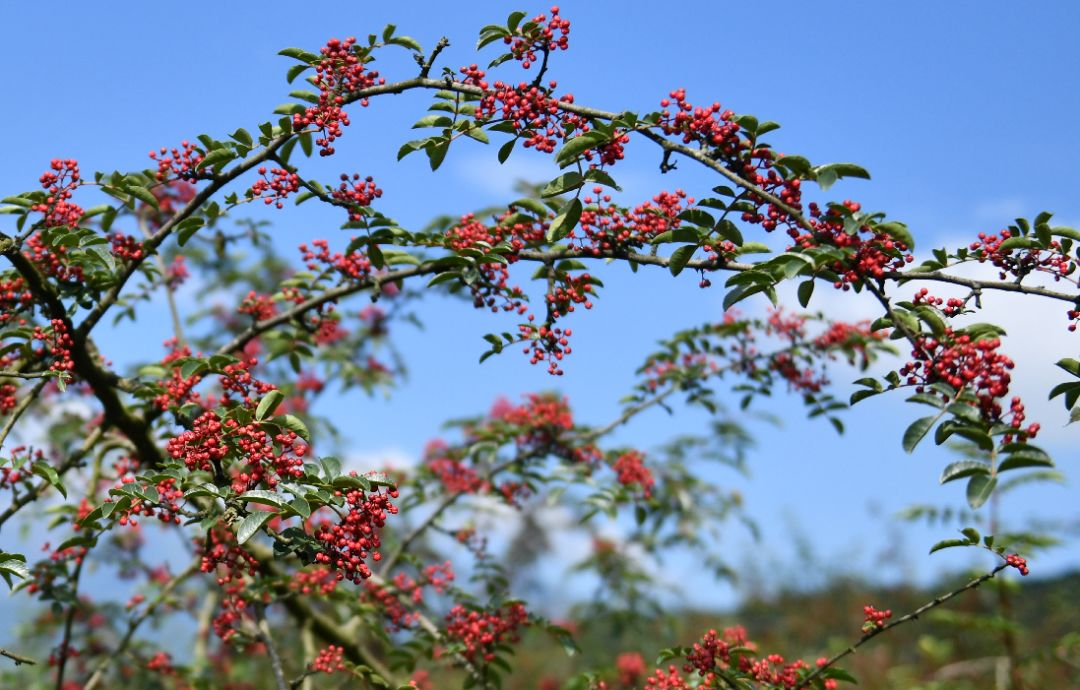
(964,112)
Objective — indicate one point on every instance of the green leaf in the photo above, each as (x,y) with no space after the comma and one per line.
(263,497)
(963,468)
(680,257)
(406,42)
(578,145)
(1061,231)
(840,170)
(251,524)
(331,467)
(436,152)
(192,367)
(972,534)
(411,146)
(433,121)
(806,289)
(949,543)
(143,194)
(858,396)
(697,217)
(301,507)
(917,431)
(269,402)
(979,489)
(506,149)
(294,72)
(1020,459)
(601,177)
(187,228)
(566,220)
(46,472)
(796,164)
(563,183)
(300,54)
(216,158)
(293,423)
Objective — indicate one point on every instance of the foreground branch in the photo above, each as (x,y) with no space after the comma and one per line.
(933,604)
(19,659)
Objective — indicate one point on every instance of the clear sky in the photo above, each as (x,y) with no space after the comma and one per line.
(964,112)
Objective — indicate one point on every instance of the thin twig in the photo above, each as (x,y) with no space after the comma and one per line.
(263,629)
(74,460)
(933,604)
(25,403)
(19,659)
(134,623)
(69,621)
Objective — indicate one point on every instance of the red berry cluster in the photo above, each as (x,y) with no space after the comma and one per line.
(58,184)
(162,663)
(58,343)
(631,669)
(799,378)
(534,113)
(850,338)
(631,471)
(259,307)
(126,247)
(178,163)
(353,266)
(236,379)
(482,632)
(692,364)
(338,76)
(874,619)
(386,599)
(232,565)
(669,680)
(711,126)
(170,196)
(605,227)
(329,660)
(277,187)
(350,542)
(1017,562)
(950,307)
(202,447)
(567,291)
(786,326)
(454,475)
(870,252)
(51,259)
(548,345)
(392,600)
(176,272)
(963,362)
(20,457)
(355,193)
(535,35)
(166,508)
(471,233)
(178,391)
(14,297)
(1019,262)
(714,653)
(328,329)
(8,401)
(539,425)
(320,579)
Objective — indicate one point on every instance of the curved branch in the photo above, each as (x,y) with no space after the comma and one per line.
(933,604)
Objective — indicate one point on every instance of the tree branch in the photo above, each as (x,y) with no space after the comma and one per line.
(19,659)
(930,605)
